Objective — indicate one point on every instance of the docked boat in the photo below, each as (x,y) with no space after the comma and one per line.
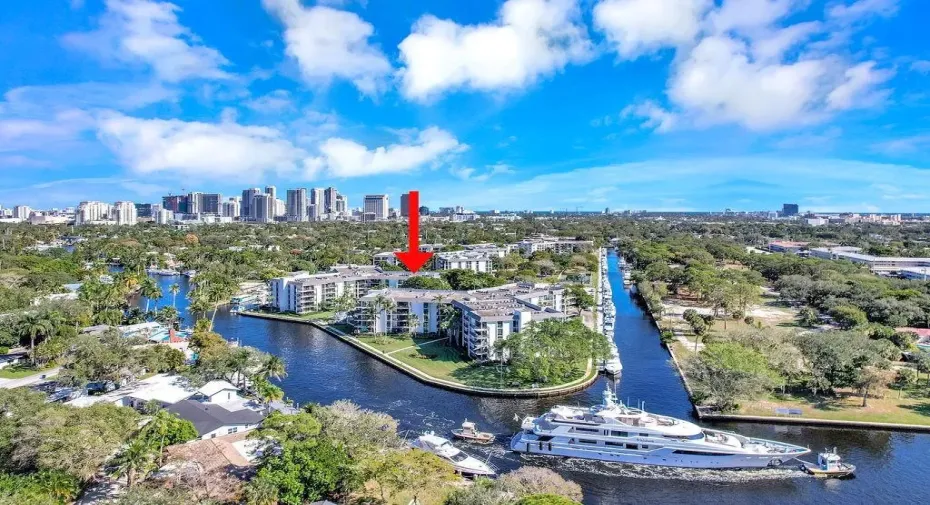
(470,432)
(462,462)
(829,465)
(615,432)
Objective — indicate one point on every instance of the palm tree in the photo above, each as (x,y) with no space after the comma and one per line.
(413,323)
(273,368)
(239,361)
(371,313)
(35,326)
(136,459)
(266,391)
(151,291)
(174,289)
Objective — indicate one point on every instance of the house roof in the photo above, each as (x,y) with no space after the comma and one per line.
(13,356)
(207,417)
(213,387)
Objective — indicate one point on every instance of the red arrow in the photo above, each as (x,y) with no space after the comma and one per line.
(413,258)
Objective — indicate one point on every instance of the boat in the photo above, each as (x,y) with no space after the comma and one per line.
(614,432)
(829,465)
(469,432)
(462,462)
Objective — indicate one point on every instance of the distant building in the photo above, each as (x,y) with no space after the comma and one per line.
(424,210)
(877,264)
(559,245)
(785,246)
(297,204)
(377,205)
(302,292)
(164,216)
(90,212)
(262,208)
(329,200)
(271,190)
(175,203)
(245,205)
(789,209)
(476,261)
(405,204)
(231,208)
(124,213)
(22,212)
(144,210)
(315,205)
(211,203)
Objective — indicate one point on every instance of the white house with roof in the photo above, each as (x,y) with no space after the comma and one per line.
(219,391)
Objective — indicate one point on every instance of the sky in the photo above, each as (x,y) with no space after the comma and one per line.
(665,105)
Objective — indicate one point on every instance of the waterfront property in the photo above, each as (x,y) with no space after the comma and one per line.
(475,320)
(558,245)
(478,261)
(303,292)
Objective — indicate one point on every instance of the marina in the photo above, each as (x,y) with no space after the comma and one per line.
(323,369)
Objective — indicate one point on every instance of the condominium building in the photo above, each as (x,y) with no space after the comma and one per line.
(329,200)
(124,213)
(476,261)
(231,208)
(559,245)
(211,203)
(405,205)
(22,212)
(376,205)
(877,264)
(194,202)
(419,311)
(90,212)
(245,206)
(302,292)
(315,204)
(175,203)
(271,190)
(297,204)
(262,208)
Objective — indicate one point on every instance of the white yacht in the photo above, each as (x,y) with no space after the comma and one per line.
(463,463)
(614,432)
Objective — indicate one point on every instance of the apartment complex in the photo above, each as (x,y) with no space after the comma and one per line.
(303,292)
(477,261)
(476,320)
(877,264)
(559,245)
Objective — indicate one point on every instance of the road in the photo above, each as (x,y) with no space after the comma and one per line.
(28,381)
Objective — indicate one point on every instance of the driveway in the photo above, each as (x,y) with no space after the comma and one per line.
(28,381)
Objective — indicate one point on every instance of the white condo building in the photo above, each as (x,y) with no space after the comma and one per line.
(22,212)
(303,293)
(477,261)
(231,208)
(297,204)
(124,213)
(90,212)
(559,245)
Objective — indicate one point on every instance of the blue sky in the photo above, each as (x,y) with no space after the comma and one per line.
(520,104)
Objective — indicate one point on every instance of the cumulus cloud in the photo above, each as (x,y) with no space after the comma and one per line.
(340,157)
(197,150)
(276,101)
(331,44)
(148,32)
(530,39)
(745,68)
(54,131)
(474,175)
(637,27)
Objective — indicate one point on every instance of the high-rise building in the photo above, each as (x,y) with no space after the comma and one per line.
(164,216)
(424,210)
(271,190)
(405,204)
(195,202)
(263,207)
(231,208)
(211,203)
(280,207)
(789,209)
(175,203)
(342,205)
(144,210)
(22,212)
(245,206)
(329,200)
(124,213)
(91,212)
(316,204)
(376,205)
(297,204)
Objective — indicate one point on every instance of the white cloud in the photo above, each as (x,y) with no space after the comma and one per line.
(858,89)
(340,157)
(331,44)
(810,139)
(36,100)
(197,150)
(276,101)
(471,174)
(857,10)
(772,45)
(148,32)
(903,146)
(54,131)
(530,39)
(921,66)
(655,117)
(750,15)
(637,27)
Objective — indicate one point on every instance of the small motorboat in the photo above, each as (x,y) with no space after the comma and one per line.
(469,432)
(462,462)
(829,465)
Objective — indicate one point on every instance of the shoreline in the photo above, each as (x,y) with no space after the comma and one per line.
(584,382)
(703,415)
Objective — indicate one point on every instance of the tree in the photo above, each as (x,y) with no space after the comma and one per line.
(413,324)
(35,327)
(174,289)
(164,429)
(150,291)
(700,329)
(529,480)
(424,282)
(272,367)
(871,377)
(306,470)
(807,317)
(266,391)
(416,471)
(581,299)
(727,372)
(136,460)
(848,316)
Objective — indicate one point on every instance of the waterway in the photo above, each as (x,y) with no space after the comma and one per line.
(892,466)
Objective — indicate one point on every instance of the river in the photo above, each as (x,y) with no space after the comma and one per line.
(891,466)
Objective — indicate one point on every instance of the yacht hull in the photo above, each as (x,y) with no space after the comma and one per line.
(664,456)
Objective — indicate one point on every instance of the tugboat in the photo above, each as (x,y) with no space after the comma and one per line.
(469,432)
(829,465)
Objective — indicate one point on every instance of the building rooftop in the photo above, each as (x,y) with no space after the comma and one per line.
(163,388)
(208,417)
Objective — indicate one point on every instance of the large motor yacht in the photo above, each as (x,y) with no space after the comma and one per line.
(462,462)
(614,432)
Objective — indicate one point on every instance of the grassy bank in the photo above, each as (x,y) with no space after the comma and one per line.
(21,371)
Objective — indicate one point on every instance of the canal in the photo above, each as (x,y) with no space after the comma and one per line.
(322,369)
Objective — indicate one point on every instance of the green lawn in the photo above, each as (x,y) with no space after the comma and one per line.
(316,316)
(435,359)
(906,407)
(389,343)
(20,371)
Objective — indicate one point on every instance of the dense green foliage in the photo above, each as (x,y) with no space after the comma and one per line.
(552,351)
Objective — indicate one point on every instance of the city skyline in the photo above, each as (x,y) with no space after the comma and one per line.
(601,108)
